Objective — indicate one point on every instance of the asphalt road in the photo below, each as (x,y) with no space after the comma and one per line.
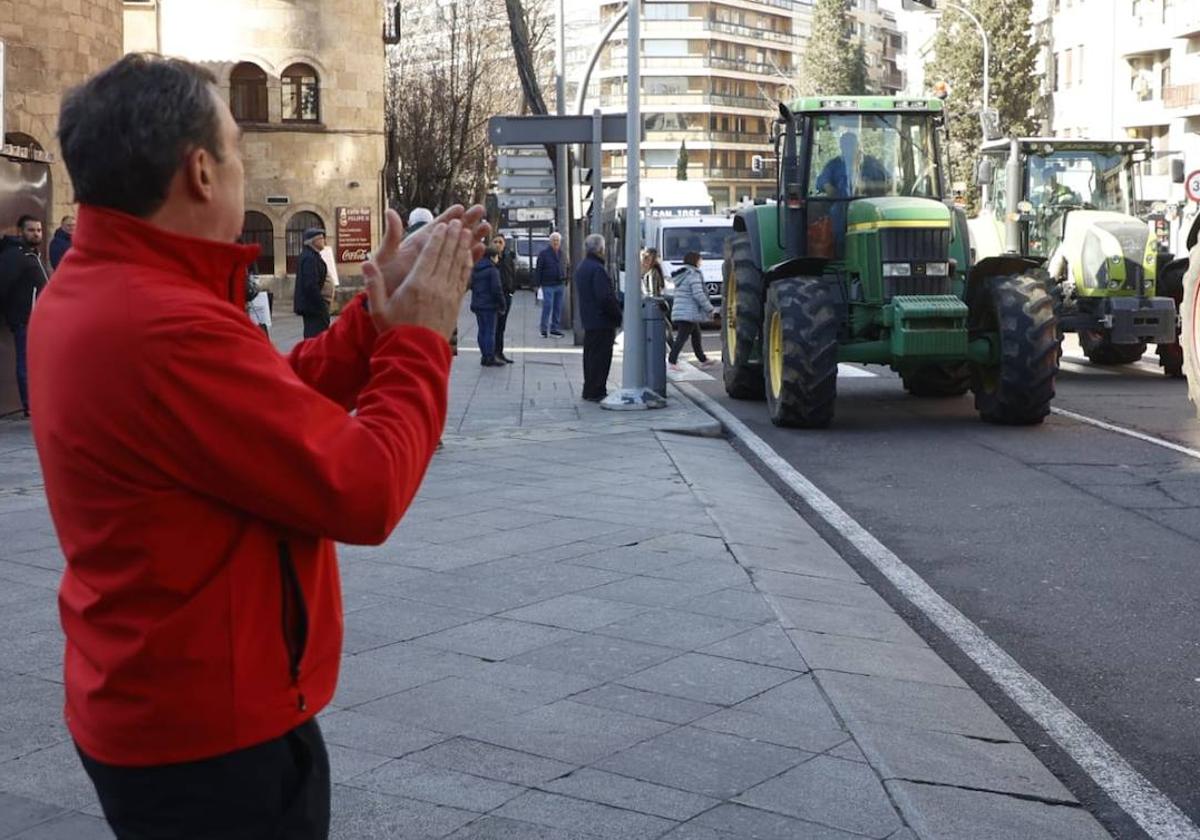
(1076,549)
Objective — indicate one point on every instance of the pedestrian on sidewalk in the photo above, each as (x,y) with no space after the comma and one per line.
(487,302)
(200,597)
(689,310)
(311,277)
(22,279)
(60,243)
(508,281)
(550,276)
(600,312)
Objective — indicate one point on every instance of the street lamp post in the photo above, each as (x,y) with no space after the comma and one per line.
(986,114)
(633,394)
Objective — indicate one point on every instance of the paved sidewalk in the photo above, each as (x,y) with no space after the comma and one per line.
(586,628)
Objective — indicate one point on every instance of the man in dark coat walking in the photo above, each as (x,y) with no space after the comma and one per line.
(22,278)
(311,274)
(61,241)
(600,312)
(508,282)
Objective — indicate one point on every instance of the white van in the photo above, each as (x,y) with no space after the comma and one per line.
(675,236)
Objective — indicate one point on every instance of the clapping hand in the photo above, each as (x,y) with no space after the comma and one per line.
(431,291)
(398,254)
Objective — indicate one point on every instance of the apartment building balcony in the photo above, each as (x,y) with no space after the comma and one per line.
(1183,97)
(616,63)
(1146,37)
(728,174)
(1140,113)
(675,101)
(699,135)
(1187,21)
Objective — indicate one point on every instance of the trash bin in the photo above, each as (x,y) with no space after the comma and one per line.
(656,344)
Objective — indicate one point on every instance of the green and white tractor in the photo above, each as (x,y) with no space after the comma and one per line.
(1069,204)
(863,260)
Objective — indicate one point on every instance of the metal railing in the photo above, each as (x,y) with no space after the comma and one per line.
(1181,96)
(722,99)
(616,61)
(725,172)
(752,32)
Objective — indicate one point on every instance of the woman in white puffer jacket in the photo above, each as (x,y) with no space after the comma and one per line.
(690,309)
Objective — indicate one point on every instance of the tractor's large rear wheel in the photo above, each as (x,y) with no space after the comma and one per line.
(1016,390)
(951,380)
(1101,351)
(742,320)
(800,351)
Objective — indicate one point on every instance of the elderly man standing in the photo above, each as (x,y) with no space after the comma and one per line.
(310,302)
(600,312)
(201,597)
(550,275)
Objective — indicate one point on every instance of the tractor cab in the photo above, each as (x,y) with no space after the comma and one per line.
(1043,181)
(856,157)
(1070,204)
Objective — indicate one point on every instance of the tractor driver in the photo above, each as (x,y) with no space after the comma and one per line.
(1052,191)
(851,173)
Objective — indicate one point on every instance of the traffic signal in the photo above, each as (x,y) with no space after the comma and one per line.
(758,163)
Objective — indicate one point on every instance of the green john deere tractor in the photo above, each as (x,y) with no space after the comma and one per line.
(863,260)
(1069,204)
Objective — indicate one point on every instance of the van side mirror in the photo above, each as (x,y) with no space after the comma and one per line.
(985,173)
(1178,175)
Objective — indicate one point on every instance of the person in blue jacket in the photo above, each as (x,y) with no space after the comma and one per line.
(550,274)
(600,312)
(487,302)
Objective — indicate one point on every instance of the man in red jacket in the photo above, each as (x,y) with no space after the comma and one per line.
(197,478)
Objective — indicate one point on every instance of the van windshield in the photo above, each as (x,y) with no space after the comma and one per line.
(708,242)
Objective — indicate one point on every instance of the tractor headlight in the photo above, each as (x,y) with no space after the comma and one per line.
(937,269)
(897,269)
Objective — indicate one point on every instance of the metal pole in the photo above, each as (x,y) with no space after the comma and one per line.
(560,89)
(581,94)
(597,173)
(633,370)
(987,51)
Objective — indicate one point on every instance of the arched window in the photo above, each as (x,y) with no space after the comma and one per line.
(258,230)
(296,226)
(301,94)
(24,140)
(248,93)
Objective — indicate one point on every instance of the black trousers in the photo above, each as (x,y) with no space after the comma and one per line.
(502,322)
(682,330)
(315,324)
(278,790)
(597,360)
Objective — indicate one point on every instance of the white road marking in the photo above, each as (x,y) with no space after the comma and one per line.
(1121,430)
(1149,807)
(846,371)
(1083,367)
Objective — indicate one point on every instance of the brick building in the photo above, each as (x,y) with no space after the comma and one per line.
(305,79)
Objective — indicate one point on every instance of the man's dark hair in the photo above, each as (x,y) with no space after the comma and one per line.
(125,132)
(692,258)
(66,219)
(24,220)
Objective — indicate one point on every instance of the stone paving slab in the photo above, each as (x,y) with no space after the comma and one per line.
(586,628)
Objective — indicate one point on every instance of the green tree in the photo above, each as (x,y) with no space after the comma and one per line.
(681,163)
(834,63)
(1015,84)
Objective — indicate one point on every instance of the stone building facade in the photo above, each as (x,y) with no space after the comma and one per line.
(50,47)
(305,79)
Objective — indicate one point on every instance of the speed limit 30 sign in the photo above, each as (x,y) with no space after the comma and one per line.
(1192,185)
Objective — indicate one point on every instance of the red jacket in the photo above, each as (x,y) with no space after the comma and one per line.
(196,478)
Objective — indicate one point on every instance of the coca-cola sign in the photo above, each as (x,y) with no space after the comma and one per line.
(353,234)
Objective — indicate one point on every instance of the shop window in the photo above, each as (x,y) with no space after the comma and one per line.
(258,230)
(294,243)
